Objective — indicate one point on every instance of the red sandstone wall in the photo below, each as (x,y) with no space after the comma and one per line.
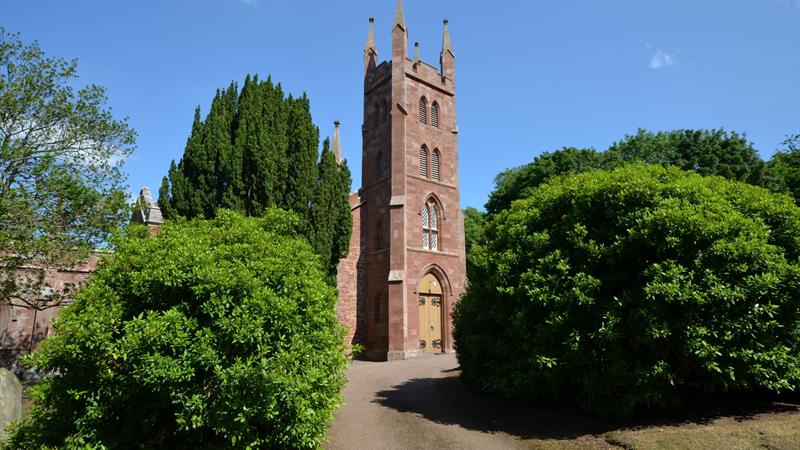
(347,276)
(23,328)
(378,281)
(449,262)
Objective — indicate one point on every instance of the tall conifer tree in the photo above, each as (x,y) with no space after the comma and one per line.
(330,221)
(251,144)
(303,140)
(344,218)
(255,149)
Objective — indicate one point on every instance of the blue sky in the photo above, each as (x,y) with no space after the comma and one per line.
(532,76)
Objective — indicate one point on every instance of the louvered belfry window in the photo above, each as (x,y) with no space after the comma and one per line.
(380,170)
(423,110)
(435,114)
(423,162)
(430,227)
(435,170)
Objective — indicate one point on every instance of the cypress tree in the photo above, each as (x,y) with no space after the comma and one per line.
(164,200)
(276,138)
(303,141)
(255,149)
(229,183)
(192,194)
(344,218)
(322,218)
(330,221)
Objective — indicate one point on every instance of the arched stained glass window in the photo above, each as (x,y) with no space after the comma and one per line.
(430,227)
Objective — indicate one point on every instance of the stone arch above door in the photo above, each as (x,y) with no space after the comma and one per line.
(441,275)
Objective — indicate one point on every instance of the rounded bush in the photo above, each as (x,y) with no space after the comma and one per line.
(635,288)
(211,334)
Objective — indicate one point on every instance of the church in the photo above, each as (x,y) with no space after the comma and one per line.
(407,266)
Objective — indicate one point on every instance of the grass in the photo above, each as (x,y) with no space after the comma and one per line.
(771,430)
(780,430)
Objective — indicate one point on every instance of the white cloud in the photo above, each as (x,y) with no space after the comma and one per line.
(660,60)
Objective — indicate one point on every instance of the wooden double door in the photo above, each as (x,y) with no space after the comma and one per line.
(430,315)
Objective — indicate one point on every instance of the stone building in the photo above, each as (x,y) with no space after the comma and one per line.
(23,325)
(407,264)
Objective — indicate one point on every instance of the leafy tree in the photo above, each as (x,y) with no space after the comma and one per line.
(707,152)
(473,227)
(213,334)
(517,183)
(635,288)
(782,172)
(474,222)
(258,149)
(61,189)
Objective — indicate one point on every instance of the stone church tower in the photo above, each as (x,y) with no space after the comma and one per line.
(407,265)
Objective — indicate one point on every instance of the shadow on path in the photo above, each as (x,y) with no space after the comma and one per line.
(446,401)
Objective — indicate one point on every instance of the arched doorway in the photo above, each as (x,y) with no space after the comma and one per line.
(430,315)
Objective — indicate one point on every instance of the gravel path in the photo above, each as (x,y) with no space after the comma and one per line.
(420,403)
(417,403)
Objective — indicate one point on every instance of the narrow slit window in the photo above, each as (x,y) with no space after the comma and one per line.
(379,236)
(423,110)
(435,169)
(435,115)
(423,162)
(380,170)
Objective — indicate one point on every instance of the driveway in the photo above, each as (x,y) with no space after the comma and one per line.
(420,403)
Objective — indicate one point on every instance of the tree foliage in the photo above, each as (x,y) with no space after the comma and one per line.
(474,222)
(782,171)
(517,183)
(257,149)
(61,189)
(633,288)
(708,152)
(213,334)
(330,222)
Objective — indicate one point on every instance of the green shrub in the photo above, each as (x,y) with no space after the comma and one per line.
(635,288)
(212,334)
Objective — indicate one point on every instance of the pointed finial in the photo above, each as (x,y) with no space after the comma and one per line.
(399,18)
(337,143)
(148,212)
(416,53)
(371,37)
(446,46)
